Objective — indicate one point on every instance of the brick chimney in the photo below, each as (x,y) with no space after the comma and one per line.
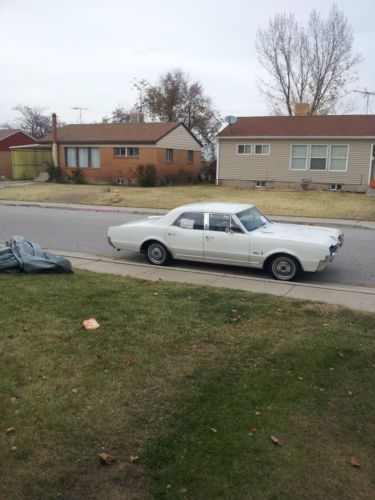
(301,109)
(55,154)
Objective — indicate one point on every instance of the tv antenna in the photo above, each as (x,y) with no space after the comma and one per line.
(230,120)
(366,94)
(80,108)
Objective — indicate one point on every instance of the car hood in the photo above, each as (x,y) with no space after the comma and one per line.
(299,232)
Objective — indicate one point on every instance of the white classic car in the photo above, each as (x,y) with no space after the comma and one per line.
(229,233)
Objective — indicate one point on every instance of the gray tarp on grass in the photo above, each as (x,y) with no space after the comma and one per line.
(20,255)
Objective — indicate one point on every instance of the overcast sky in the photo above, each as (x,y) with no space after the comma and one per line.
(69,53)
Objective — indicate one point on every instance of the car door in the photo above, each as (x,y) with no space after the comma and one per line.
(185,236)
(225,241)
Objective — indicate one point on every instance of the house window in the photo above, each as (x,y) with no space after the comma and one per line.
(335,187)
(244,149)
(71,157)
(122,151)
(338,159)
(169,156)
(260,184)
(299,157)
(190,156)
(318,157)
(82,157)
(262,149)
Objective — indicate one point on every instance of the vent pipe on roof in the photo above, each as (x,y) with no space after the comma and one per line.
(55,155)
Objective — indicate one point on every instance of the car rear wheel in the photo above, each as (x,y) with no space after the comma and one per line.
(157,254)
(283,267)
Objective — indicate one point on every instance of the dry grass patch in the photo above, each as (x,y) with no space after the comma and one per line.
(293,203)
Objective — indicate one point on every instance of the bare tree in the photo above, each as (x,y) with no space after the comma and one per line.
(31,120)
(175,98)
(119,115)
(313,64)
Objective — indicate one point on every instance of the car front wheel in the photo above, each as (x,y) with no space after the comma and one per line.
(283,267)
(157,254)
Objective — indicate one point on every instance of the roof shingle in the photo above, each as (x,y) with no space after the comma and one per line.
(302,126)
(113,132)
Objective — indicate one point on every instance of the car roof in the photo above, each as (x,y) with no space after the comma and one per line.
(218,207)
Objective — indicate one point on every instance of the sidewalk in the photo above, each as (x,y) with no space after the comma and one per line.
(152,211)
(355,297)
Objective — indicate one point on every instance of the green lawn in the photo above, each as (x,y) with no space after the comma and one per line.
(326,204)
(192,380)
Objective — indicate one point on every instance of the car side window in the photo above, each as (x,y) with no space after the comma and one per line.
(190,220)
(219,222)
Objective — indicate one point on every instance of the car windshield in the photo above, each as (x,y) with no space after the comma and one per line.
(252,218)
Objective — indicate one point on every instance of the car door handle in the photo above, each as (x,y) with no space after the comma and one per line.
(171,234)
(209,237)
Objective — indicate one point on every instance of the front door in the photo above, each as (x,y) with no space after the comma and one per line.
(225,241)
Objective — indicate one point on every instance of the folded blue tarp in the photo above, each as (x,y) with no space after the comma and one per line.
(20,255)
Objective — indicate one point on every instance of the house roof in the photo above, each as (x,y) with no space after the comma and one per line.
(302,126)
(6,132)
(113,133)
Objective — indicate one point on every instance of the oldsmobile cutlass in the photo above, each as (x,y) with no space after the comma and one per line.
(229,233)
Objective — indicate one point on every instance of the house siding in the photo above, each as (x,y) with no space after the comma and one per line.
(275,167)
(179,138)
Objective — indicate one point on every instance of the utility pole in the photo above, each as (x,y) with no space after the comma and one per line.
(366,94)
(80,108)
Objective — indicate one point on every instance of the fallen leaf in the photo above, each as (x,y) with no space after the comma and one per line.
(183,490)
(107,459)
(75,390)
(355,462)
(90,324)
(257,413)
(213,429)
(13,400)
(253,430)
(276,441)
(134,459)
(10,430)
(332,369)
(156,293)
(349,393)
(129,362)
(14,448)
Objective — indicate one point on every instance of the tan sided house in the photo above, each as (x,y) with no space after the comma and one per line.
(318,152)
(111,152)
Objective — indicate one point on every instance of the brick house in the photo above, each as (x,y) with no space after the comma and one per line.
(111,152)
(9,138)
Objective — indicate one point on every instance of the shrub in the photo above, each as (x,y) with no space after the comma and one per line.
(146,175)
(77,176)
(305,183)
(54,173)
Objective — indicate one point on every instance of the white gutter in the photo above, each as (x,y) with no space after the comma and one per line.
(217,160)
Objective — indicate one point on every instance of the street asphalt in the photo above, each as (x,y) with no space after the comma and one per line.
(356,297)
